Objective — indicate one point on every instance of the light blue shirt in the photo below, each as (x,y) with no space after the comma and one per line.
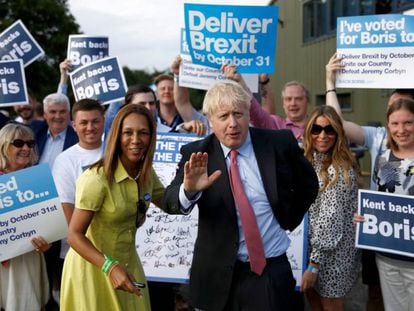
(274,238)
(53,147)
(62,89)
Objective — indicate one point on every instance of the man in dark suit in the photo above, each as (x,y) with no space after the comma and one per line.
(228,272)
(54,135)
(3,120)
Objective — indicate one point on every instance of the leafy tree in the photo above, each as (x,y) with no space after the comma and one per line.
(197,97)
(50,22)
(133,76)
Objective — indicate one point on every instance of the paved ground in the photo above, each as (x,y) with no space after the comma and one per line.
(356,299)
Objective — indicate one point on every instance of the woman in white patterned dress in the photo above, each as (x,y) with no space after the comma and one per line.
(333,260)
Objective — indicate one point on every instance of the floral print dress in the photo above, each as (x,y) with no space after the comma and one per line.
(394,175)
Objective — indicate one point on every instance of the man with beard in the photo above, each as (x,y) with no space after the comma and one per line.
(26,113)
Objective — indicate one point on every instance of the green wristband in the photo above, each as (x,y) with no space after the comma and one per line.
(108,262)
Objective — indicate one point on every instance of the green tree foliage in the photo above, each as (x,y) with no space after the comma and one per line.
(197,97)
(50,22)
(133,77)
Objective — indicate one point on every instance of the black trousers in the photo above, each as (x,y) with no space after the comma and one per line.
(161,296)
(274,290)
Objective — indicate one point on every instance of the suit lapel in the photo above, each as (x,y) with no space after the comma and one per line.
(266,160)
(42,141)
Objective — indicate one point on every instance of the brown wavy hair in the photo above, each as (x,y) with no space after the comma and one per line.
(339,156)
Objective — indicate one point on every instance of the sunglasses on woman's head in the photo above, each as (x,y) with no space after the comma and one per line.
(317,129)
(19,143)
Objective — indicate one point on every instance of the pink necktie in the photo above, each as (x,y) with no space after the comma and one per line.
(248,218)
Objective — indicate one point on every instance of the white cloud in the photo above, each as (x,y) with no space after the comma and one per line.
(144,34)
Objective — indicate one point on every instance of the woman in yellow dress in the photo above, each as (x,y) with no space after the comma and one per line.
(102,270)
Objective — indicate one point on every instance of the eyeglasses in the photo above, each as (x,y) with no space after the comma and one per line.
(141,211)
(19,143)
(317,129)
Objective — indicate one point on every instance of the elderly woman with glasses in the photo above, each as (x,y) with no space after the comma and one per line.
(102,270)
(23,279)
(333,259)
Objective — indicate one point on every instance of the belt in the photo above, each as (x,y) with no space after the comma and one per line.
(269,260)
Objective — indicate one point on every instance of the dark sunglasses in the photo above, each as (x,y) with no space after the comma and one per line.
(141,211)
(317,129)
(19,143)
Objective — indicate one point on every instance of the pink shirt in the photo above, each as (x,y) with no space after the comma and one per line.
(261,118)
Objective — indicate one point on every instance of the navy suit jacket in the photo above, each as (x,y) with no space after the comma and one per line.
(40,129)
(290,183)
(3,120)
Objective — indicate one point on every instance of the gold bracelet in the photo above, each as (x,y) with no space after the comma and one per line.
(112,267)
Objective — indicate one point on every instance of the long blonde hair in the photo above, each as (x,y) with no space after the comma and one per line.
(113,148)
(339,156)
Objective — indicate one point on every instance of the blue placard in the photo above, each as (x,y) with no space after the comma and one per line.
(389,222)
(373,31)
(242,35)
(102,80)
(84,49)
(377,51)
(168,146)
(13,89)
(16,42)
(183,43)
(24,188)
(29,207)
